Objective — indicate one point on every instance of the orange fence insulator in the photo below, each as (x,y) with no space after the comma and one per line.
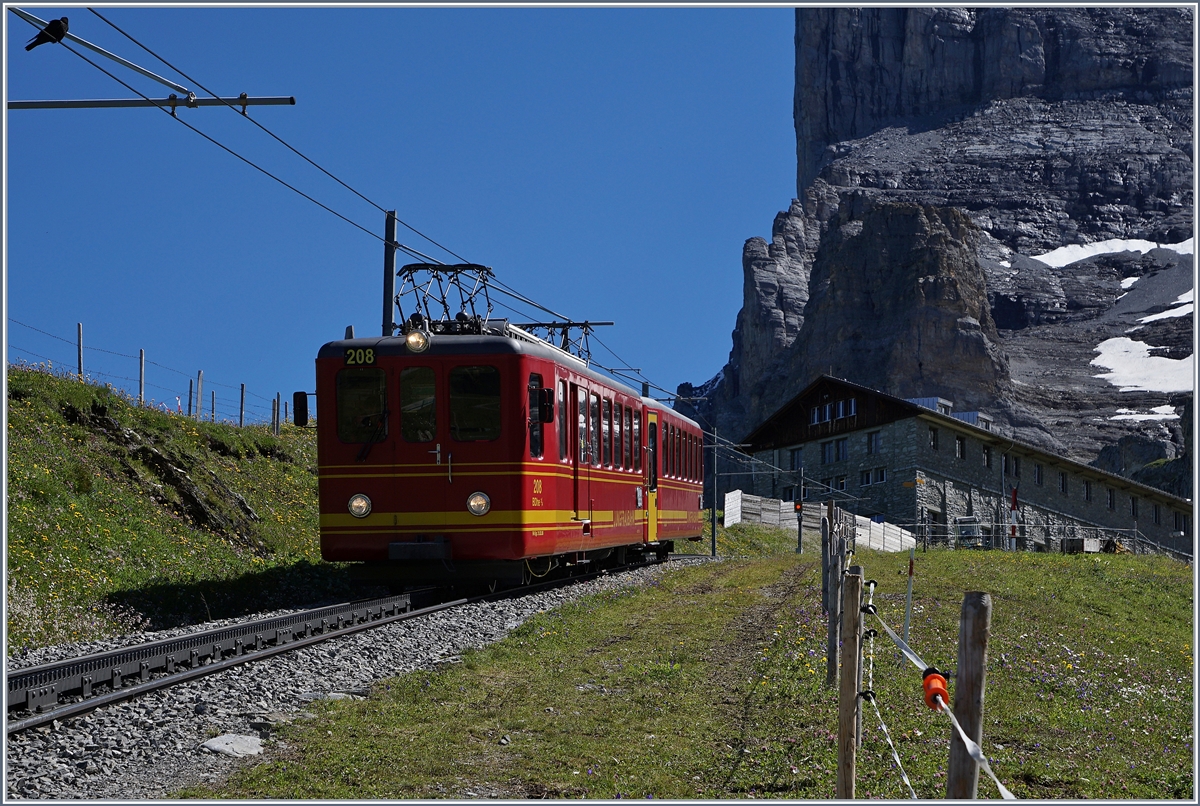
(935,686)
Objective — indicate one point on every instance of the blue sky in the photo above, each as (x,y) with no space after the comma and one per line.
(608,163)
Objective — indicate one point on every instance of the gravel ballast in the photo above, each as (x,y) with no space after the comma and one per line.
(153,745)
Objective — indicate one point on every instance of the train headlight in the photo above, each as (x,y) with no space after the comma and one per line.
(417,341)
(478,503)
(360,505)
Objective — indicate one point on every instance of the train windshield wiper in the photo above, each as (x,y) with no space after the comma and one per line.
(376,436)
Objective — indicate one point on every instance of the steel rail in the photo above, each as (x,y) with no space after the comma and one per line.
(127,672)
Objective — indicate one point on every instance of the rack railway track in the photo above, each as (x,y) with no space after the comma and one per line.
(41,694)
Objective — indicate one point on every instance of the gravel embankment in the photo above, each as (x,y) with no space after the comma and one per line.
(152,746)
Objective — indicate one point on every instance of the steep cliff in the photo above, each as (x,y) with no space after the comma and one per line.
(939,152)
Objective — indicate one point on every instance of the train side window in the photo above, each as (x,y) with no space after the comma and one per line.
(582,419)
(652,451)
(637,441)
(562,420)
(606,425)
(418,404)
(618,453)
(362,404)
(629,438)
(535,423)
(474,404)
(595,418)
(678,453)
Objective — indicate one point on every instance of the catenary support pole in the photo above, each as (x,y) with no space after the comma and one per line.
(141,377)
(389,275)
(200,395)
(714,495)
(962,773)
(851,634)
(242,408)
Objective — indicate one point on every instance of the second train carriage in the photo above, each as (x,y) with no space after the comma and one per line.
(493,456)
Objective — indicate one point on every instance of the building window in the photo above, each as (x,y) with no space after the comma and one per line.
(880,475)
(842,450)
(827,412)
(1037,475)
(1062,481)
(932,438)
(840,484)
(826,453)
(1157,515)
(1180,522)
(1017,466)
(1112,499)
(987,455)
(804,491)
(840,409)
(864,478)
(874,442)
(1133,506)
(1087,490)
(795,458)
(814,416)
(960,447)
(852,407)
(826,486)
(789,493)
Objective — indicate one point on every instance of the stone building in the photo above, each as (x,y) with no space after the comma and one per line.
(918,462)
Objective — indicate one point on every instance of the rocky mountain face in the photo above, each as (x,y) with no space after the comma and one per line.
(938,152)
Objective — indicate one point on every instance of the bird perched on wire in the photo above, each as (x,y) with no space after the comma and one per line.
(54,31)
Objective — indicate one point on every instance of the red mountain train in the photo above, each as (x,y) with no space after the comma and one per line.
(491,456)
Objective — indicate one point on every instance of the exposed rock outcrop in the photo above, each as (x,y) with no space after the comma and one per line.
(939,152)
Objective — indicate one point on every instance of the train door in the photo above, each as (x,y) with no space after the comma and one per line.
(581,461)
(474,446)
(651,476)
(421,452)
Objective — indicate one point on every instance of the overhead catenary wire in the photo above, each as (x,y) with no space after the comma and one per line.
(499,285)
(246,160)
(276,137)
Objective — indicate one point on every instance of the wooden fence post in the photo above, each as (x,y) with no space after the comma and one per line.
(79,344)
(962,776)
(141,377)
(851,600)
(837,566)
(242,408)
(189,413)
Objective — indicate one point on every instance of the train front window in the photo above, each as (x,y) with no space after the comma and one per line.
(362,405)
(418,404)
(474,404)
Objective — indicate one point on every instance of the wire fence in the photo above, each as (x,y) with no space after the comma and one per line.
(184,394)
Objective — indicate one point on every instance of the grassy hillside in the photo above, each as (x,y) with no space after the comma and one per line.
(122,517)
(712,685)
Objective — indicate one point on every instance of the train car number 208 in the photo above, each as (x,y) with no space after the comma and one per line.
(356,356)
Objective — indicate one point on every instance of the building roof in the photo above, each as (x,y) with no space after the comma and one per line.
(790,426)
